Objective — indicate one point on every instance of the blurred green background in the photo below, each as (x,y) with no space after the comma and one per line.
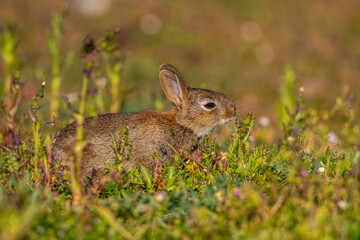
(240,48)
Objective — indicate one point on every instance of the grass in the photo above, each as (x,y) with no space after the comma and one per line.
(304,186)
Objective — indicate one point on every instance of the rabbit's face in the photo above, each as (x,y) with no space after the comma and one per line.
(200,110)
(203,111)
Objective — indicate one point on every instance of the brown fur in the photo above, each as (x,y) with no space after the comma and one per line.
(150,130)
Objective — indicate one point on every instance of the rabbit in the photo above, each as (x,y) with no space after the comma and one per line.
(195,113)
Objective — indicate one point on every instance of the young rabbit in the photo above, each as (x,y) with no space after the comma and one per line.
(196,113)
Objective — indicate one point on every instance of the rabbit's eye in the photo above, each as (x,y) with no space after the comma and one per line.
(209,105)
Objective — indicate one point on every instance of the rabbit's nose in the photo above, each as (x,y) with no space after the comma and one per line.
(233,107)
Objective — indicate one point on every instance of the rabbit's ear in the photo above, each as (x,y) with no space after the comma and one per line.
(173,84)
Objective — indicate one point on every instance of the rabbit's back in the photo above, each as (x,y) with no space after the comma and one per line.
(148,131)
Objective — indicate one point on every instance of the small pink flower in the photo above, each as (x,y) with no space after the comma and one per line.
(236,192)
(160,196)
(303,173)
(198,152)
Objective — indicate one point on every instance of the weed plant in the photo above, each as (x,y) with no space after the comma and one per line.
(305,186)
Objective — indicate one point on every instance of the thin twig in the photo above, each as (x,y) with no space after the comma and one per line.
(279,202)
(188,156)
(110,218)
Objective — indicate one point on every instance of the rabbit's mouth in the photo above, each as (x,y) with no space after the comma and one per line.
(225,121)
(221,124)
